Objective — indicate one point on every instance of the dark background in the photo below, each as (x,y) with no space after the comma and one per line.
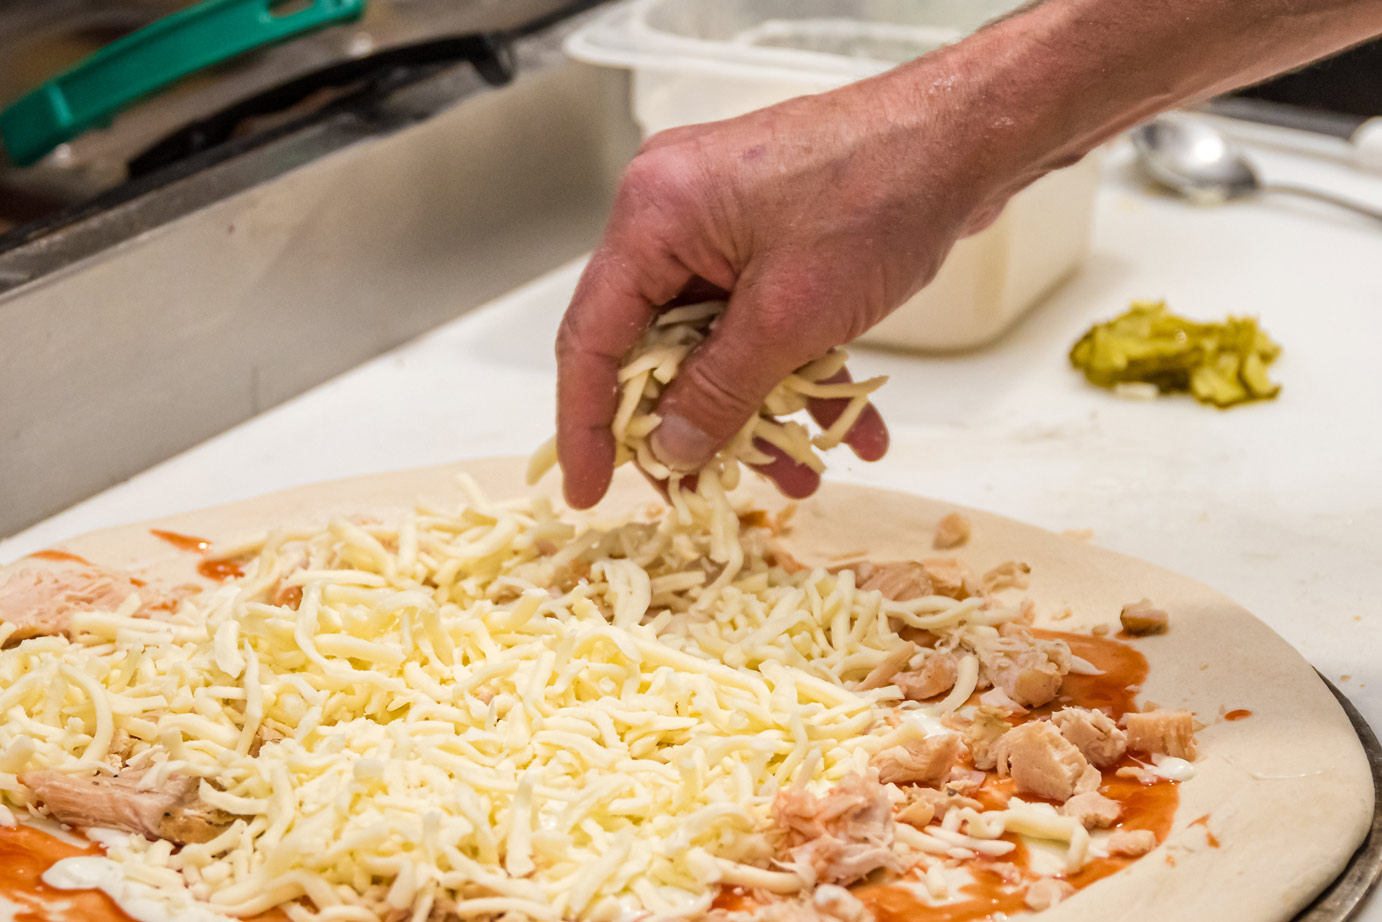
(1350,83)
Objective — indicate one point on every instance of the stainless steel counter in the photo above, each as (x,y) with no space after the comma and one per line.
(147,326)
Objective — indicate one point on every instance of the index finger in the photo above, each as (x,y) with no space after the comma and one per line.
(606,317)
(868,437)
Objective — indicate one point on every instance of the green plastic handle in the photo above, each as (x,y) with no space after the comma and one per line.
(144,62)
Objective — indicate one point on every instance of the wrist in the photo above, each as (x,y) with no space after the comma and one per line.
(1015,107)
(1041,88)
(982,118)
(940,128)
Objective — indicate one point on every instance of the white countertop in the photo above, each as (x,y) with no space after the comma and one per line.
(1279,504)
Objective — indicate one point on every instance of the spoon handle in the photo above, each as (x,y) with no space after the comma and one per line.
(1306,192)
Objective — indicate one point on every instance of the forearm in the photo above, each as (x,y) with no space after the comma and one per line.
(1044,86)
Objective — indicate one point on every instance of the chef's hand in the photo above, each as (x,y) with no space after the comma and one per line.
(817,217)
(820,215)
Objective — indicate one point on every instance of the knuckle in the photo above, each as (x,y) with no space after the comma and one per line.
(668,137)
(568,336)
(813,312)
(782,324)
(721,390)
(583,334)
(647,175)
(660,181)
(857,324)
(794,323)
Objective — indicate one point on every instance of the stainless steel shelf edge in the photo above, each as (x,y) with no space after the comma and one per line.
(143,330)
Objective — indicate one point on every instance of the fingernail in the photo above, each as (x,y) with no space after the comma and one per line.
(680,445)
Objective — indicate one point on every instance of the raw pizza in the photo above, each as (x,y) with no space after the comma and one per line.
(437,695)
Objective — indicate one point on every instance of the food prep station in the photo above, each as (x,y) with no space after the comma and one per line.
(367,294)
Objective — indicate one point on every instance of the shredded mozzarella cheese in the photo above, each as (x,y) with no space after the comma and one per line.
(482,711)
(487,713)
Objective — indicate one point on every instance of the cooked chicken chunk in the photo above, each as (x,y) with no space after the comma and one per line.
(1093,732)
(715,915)
(1139,774)
(951,531)
(998,699)
(926,804)
(949,578)
(883,673)
(1092,809)
(983,732)
(1162,731)
(918,813)
(1009,575)
(836,903)
(1045,893)
(172,811)
(901,580)
(1131,843)
(835,859)
(962,781)
(1044,763)
(1028,670)
(119,749)
(845,835)
(829,903)
(927,760)
(934,675)
(771,910)
(1142,618)
(41,602)
(904,580)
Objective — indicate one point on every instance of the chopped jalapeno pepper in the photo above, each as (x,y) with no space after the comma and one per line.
(1221,364)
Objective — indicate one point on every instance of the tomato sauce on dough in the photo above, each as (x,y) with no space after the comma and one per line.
(59,556)
(25,853)
(1124,668)
(181,542)
(1210,837)
(1143,806)
(217,569)
(220,570)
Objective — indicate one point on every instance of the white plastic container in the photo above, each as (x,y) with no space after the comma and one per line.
(703,60)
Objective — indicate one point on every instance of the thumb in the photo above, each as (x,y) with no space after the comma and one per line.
(725,380)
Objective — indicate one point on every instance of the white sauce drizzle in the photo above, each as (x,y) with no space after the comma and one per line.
(1172,768)
(139,901)
(928,724)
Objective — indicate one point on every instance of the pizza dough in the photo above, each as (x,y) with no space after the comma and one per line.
(1287,791)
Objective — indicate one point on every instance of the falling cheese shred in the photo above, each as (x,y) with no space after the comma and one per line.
(703,498)
(484,711)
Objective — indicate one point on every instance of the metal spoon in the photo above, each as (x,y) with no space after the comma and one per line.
(1191,157)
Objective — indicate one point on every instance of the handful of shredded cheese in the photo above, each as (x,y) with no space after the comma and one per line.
(651,366)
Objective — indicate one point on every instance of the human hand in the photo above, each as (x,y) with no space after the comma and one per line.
(817,217)
(796,473)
